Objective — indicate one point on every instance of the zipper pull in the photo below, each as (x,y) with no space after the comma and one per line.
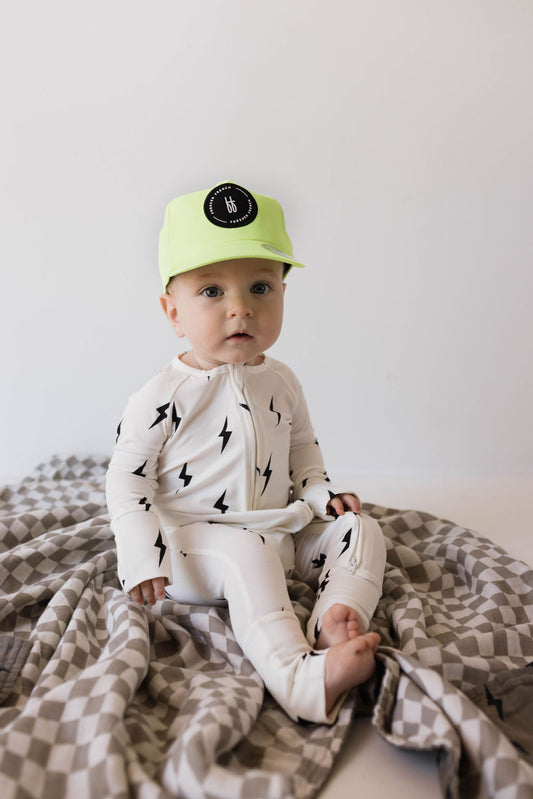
(352,565)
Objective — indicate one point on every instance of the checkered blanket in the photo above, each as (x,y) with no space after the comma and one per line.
(102,698)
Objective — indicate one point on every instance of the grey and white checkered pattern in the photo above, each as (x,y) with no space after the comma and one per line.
(101,698)
(456,612)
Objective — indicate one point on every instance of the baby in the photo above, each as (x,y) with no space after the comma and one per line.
(216,487)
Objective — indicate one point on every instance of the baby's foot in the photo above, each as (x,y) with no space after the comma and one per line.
(349,664)
(339,623)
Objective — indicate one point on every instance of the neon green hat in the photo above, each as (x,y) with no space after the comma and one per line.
(221,224)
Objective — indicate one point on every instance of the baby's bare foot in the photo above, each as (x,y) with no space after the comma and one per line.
(339,623)
(349,664)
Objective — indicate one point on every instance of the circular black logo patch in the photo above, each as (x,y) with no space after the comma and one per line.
(229,205)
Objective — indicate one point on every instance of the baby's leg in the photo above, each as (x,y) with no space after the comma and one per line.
(220,561)
(344,560)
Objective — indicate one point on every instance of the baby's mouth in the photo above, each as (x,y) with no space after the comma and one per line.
(240,335)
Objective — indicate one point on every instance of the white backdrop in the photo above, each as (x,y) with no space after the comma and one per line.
(398,138)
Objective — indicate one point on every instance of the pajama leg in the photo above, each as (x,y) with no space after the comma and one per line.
(214,562)
(344,560)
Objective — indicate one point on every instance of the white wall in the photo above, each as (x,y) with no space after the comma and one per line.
(398,137)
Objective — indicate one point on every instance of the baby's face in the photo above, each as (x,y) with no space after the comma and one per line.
(230,312)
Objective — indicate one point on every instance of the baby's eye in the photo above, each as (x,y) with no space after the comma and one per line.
(260,288)
(211,292)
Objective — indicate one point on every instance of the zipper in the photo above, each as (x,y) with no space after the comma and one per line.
(355,556)
(237,373)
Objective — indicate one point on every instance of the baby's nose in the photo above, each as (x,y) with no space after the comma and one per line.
(240,306)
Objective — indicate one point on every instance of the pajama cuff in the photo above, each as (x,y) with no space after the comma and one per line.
(319,494)
(142,549)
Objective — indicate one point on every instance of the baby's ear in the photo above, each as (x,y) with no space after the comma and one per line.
(168,304)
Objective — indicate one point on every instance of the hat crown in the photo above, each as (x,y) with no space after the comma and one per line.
(220,224)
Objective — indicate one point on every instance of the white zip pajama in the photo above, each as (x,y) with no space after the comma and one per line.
(218,484)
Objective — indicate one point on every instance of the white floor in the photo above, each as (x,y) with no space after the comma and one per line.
(499,508)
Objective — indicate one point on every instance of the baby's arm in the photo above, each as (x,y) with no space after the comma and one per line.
(310,480)
(131,485)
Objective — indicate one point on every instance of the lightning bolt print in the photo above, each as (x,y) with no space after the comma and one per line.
(224,434)
(333,511)
(118,432)
(323,584)
(162,414)
(159,544)
(346,541)
(184,476)
(219,504)
(144,501)
(140,470)
(320,561)
(267,475)
(175,419)
(278,414)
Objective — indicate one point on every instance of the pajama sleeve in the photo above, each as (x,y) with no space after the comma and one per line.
(310,480)
(131,483)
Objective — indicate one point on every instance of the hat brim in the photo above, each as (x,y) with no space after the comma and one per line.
(227,251)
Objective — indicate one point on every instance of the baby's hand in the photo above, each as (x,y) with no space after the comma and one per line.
(149,591)
(343,502)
